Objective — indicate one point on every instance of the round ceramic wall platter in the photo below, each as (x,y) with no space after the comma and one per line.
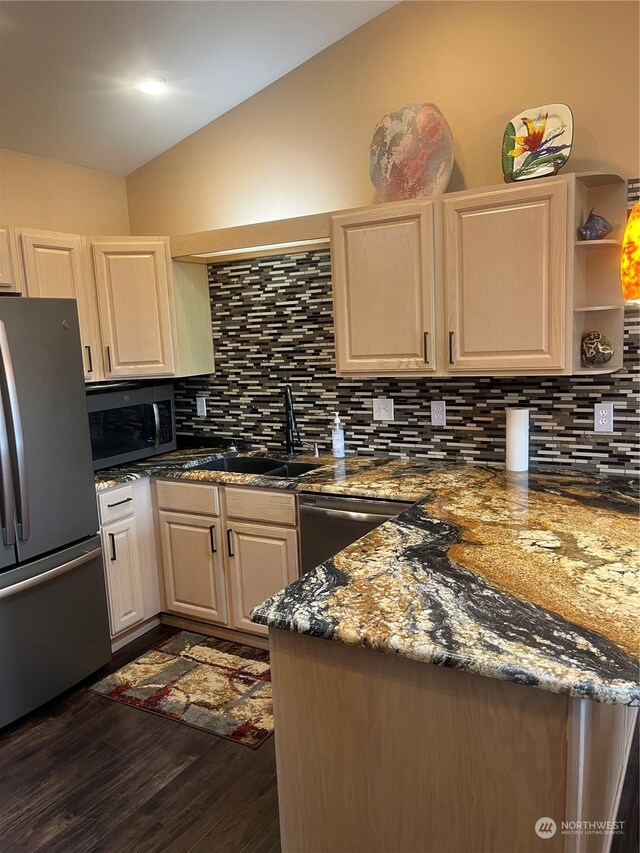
(411,153)
(537,142)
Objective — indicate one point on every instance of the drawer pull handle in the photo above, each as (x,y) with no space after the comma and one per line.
(451,348)
(119,503)
(212,538)
(112,539)
(426,347)
(90,357)
(109,359)
(230,542)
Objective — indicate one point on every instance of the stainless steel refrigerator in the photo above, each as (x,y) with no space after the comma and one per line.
(53,608)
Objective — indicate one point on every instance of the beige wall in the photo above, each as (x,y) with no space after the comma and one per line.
(56,196)
(301,145)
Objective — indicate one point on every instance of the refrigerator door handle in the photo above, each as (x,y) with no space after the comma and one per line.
(30,583)
(8,499)
(20,467)
(156,422)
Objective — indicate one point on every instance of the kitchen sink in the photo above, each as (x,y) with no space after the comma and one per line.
(257,465)
(240,464)
(291,469)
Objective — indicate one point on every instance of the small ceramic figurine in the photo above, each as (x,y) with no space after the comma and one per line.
(595,227)
(597,349)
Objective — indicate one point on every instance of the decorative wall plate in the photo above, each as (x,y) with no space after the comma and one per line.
(537,142)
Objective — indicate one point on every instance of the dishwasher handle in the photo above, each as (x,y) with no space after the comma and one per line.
(345,514)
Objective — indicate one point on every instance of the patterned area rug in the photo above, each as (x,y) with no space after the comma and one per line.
(221,687)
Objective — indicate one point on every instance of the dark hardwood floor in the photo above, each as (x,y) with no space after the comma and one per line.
(85,773)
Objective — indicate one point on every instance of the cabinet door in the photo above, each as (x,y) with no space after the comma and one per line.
(8,278)
(505,261)
(193,565)
(54,266)
(383,290)
(122,567)
(262,561)
(133,280)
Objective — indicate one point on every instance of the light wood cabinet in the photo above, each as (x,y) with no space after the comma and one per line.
(130,560)
(122,568)
(505,276)
(132,279)
(263,559)
(9,278)
(383,290)
(193,566)
(55,267)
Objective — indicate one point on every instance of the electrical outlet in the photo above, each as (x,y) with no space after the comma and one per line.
(438,413)
(383,409)
(603,417)
(201,407)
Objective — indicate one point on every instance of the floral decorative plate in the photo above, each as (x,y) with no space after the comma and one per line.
(537,142)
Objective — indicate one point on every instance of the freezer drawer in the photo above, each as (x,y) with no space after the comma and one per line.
(54,628)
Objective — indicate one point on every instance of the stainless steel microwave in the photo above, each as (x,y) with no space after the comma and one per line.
(129,421)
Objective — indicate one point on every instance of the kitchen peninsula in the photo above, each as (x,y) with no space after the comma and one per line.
(531,580)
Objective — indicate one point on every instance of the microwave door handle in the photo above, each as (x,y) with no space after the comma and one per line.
(19,461)
(7,498)
(156,422)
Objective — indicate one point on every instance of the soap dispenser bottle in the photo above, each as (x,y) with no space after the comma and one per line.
(337,437)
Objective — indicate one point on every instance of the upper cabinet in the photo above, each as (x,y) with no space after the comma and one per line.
(487,282)
(141,314)
(383,286)
(132,279)
(505,279)
(9,280)
(55,267)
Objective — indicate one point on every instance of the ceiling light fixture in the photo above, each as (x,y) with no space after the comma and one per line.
(150,84)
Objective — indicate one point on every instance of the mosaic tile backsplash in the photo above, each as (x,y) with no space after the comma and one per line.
(272,325)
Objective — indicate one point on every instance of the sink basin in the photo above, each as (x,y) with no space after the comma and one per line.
(240,464)
(291,469)
(257,465)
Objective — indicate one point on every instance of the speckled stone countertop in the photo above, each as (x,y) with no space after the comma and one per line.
(532,577)
(359,476)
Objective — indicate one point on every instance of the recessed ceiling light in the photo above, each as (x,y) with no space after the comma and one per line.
(150,84)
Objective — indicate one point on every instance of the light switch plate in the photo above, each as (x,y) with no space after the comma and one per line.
(383,409)
(201,407)
(603,417)
(438,413)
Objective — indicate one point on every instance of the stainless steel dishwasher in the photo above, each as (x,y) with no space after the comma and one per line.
(328,524)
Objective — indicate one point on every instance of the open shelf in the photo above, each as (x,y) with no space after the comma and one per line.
(598,179)
(583,309)
(598,244)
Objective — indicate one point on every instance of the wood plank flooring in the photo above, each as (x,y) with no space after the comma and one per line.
(85,773)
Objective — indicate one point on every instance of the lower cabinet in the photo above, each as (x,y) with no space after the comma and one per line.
(129,552)
(193,565)
(224,550)
(122,568)
(263,559)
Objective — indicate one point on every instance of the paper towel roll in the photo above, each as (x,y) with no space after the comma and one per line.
(517,439)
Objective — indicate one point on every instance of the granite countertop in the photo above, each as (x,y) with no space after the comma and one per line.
(359,476)
(532,577)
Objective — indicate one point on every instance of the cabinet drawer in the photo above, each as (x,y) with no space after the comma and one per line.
(188,497)
(261,505)
(115,504)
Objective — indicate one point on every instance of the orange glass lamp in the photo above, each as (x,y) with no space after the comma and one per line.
(630,264)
